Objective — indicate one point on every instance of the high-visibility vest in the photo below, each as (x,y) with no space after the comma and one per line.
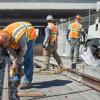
(54,31)
(17,29)
(75,29)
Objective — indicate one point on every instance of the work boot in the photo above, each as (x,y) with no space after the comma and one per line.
(62,67)
(26,86)
(58,71)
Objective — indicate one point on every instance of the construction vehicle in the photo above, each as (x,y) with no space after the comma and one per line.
(93,37)
(91,55)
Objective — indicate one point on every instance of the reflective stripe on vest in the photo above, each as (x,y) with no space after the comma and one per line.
(27,30)
(20,30)
(75,30)
(53,36)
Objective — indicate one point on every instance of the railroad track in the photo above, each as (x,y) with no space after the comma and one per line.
(9,92)
(1,81)
(88,80)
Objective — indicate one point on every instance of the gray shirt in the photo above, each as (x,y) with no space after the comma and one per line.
(18,58)
(47,34)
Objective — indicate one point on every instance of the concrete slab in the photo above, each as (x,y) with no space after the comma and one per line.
(59,87)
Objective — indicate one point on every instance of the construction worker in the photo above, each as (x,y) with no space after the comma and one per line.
(18,38)
(50,43)
(75,32)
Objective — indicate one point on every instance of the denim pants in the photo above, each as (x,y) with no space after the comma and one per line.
(28,62)
(74,49)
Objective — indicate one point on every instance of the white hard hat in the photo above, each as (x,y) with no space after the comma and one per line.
(50,17)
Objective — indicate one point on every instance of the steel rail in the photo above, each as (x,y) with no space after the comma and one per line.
(88,80)
(5,91)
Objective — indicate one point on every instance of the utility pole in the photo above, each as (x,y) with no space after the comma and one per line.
(89,16)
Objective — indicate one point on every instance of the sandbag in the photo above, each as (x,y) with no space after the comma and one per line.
(89,59)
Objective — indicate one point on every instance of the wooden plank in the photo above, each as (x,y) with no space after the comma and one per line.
(32,94)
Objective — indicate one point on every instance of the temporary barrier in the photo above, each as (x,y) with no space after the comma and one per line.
(63,45)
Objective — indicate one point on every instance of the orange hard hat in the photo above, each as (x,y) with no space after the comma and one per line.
(78,17)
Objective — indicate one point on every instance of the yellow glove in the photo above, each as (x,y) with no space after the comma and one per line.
(20,71)
(13,71)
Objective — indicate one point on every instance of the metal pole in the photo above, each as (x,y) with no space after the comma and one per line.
(89,17)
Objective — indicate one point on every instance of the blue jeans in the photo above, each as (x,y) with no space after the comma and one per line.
(28,62)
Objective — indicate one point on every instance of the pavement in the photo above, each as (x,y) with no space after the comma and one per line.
(81,66)
(59,86)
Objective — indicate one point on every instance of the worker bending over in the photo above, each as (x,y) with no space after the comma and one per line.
(18,38)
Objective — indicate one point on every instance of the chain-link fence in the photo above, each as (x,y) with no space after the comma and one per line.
(88,18)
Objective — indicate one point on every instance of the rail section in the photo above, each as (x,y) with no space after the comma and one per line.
(89,80)
(11,93)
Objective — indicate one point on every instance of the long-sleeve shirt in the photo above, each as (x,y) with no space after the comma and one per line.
(47,34)
(20,33)
(18,58)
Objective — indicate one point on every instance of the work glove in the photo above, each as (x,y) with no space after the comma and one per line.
(13,71)
(15,75)
(45,45)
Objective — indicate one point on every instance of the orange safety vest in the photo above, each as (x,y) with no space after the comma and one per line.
(17,29)
(75,28)
(54,31)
